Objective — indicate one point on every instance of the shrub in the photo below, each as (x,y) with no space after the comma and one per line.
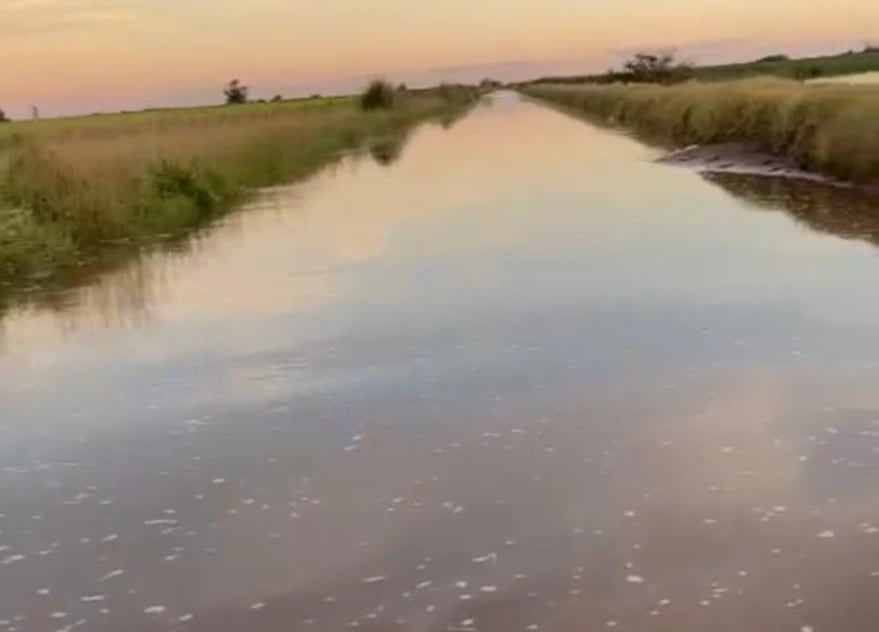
(656,68)
(236,93)
(771,59)
(379,95)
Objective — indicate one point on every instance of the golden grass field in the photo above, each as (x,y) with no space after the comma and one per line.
(828,128)
(72,186)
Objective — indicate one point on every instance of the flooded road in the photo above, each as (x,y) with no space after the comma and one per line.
(520,377)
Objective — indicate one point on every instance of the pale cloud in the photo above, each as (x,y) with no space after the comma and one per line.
(25,18)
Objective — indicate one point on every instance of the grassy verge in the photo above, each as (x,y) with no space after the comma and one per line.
(831,129)
(72,188)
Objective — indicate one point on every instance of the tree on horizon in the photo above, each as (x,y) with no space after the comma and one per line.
(235,92)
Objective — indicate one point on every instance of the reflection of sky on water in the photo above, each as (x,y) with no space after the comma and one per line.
(521,331)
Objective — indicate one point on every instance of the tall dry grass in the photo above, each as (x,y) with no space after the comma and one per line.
(832,129)
(74,186)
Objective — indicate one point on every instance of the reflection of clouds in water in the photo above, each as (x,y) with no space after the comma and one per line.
(697,494)
(847,212)
(727,441)
(474,200)
(523,392)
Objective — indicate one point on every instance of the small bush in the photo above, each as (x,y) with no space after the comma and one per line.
(379,95)
(773,59)
(235,93)
(170,179)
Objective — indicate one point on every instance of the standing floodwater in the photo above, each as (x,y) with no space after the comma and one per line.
(519,378)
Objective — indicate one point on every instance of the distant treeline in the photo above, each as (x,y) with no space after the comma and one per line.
(779,65)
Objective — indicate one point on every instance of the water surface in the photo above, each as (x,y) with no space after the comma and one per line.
(859,78)
(517,377)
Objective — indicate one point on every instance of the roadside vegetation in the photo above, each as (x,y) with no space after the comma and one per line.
(73,188)
(828,128)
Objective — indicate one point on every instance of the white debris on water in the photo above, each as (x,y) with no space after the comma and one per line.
(490,557)
(112,574)
(92,598)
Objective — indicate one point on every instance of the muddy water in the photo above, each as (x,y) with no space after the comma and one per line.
(518,377)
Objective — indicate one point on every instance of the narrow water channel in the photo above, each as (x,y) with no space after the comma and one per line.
(517,377)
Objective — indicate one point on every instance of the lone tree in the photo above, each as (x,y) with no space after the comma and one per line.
(656,68)
(235,93)
(379,95)
(3,117)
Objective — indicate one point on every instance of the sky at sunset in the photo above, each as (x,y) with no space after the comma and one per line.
(71,56)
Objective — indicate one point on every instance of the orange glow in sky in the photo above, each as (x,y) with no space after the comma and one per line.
(82,55)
